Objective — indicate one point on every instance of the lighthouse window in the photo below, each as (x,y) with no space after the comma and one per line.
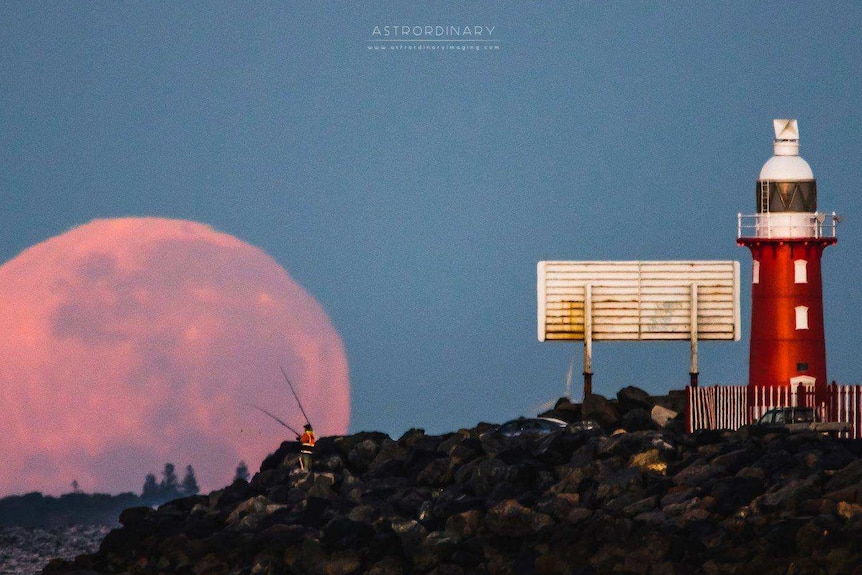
(801,317)
(755,272)
(801,367)
(800,275)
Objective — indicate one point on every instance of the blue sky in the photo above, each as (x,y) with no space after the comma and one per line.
(412,192)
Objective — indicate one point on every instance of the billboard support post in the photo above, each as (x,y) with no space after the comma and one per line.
(693,371)
(588,340)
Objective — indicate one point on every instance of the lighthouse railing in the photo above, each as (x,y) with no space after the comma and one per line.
(778,225)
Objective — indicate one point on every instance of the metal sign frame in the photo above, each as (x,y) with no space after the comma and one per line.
(638,301)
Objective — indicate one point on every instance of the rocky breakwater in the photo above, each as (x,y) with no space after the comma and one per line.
(645,501)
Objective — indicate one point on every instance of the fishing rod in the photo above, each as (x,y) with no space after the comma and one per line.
(277,419)
(299,403)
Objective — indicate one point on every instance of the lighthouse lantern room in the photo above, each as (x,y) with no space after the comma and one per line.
(787,236)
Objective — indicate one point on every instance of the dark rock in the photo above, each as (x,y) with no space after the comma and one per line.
(345,444)
(626,481)
(410,532)
(706,437)
(389,459)
(602,411)
(408,500)
(629,398)
(638,419)
(362,454)
(699,474)
(558,448)
(437,548)
(263,481)
(281,536)
(437,472)
(201,525)
(389,565)
(341,533)
(565,404)
(481,476)
(786,498)
(445,446)
(850,475)
(411,437)
(576,479)
(236,492)
(426,444)
(465,524)
(317,512)
(776,463)
(465,451)
(782,534)
(623,445)
(735,460)
(136,516)
(731,493)
(453,500)
(511,519)
(280,493)
(332,462)
(275,460)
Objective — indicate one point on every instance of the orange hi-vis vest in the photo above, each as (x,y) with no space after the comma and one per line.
(307,440)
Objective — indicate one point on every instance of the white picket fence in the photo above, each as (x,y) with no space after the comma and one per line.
(847,406)
(731,407)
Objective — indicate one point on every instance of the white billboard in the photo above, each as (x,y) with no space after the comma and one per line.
(670,300)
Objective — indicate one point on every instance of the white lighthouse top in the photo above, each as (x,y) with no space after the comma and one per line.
(786,164)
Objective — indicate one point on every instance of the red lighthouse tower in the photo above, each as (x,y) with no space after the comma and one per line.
(787,237)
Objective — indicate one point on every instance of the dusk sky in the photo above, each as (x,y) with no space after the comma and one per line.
(412,192)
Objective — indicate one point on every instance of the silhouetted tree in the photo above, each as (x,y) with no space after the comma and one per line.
(76,488)
(151,488)
(170,485)
(241,471)
(189,486)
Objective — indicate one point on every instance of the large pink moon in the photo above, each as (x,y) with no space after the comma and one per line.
(129,343)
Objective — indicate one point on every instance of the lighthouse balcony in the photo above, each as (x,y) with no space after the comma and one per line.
(787,225)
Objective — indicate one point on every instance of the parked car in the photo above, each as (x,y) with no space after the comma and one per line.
(532,427)
(801,419)
(535,436)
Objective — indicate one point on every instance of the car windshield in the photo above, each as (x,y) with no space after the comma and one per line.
(803,415)
(529,427)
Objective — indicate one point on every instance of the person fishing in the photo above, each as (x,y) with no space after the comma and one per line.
(307,441)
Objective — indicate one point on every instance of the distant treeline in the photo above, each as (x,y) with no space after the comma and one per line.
(78,508)
(37,510)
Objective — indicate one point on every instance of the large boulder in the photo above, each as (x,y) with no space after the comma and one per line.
(511,519)
(601,410)
(286,451)
(363,454)
(344,533)
(629,398)
(662,416)
(638,419)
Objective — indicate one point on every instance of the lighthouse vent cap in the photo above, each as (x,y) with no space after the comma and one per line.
(786,129)
(786,164)
(786,137)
